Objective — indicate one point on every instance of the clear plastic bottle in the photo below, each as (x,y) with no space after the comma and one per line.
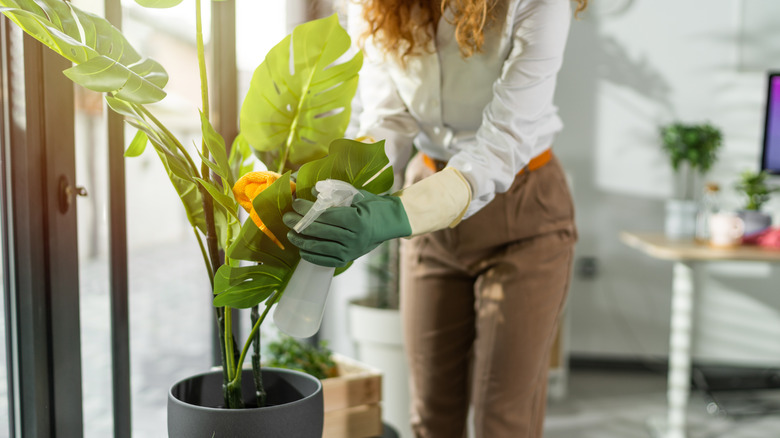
(299,312)
(709,204)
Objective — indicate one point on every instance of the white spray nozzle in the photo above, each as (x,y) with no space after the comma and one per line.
(330,193)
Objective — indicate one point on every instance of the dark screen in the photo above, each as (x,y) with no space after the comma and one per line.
(771,155)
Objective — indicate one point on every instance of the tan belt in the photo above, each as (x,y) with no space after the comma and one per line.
(535,163)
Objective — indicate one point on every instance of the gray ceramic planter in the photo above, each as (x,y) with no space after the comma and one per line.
(294,408)
(755,221)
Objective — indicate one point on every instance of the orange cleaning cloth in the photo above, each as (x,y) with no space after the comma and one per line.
(251,185)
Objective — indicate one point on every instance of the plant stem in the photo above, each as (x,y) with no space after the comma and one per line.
(204,83)
(257,373)
(219,312)
(203,254)
(229,346)
(229,238)
(269,302)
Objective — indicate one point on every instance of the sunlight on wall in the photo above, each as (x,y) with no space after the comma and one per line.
(259,26)
(183,15)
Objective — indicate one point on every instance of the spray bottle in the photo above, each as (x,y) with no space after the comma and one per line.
(299,312)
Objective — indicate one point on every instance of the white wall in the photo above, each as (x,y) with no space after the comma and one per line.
(630,67)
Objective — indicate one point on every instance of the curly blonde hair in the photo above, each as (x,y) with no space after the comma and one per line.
(402,27)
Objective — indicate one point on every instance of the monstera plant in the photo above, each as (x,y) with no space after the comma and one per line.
(296,110)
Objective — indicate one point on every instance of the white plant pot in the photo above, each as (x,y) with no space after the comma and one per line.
(379,343)
(680,222)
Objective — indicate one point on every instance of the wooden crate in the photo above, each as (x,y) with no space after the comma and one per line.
(352,400)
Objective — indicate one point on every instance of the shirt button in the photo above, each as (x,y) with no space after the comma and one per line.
(436,130)
(435,102)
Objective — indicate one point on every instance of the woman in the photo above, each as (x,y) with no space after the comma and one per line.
(486,269)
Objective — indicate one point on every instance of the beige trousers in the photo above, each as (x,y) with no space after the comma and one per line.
(480,304)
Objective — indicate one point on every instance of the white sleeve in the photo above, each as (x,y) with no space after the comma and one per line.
(520,121)
(384,115)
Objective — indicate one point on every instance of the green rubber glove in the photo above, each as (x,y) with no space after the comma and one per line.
(342,234)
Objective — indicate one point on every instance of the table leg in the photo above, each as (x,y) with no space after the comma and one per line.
(678,385)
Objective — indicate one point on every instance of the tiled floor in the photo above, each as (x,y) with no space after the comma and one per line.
(620,404)
(170,326)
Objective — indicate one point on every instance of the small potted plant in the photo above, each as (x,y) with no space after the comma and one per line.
(352,390)
(692,150)
(753,186)
(290,353)
(292,119)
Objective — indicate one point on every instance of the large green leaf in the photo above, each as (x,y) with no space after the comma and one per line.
(247,286)
(363,165)
(105,60)
(216,147)
(252,244)
(297,111)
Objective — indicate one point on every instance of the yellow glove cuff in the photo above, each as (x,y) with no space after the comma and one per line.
(436,202)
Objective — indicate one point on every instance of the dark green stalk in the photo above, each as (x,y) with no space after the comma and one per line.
(229,356)
(256,370)
(205,256)
(233,393)
(255,329)
(220,319)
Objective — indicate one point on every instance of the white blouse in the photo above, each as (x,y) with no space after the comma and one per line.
(487,115)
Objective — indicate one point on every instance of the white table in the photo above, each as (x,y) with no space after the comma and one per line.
(685,255)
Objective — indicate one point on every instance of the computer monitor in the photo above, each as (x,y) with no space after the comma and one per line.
(770,159)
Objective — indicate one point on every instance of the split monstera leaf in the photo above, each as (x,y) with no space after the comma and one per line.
(104,59)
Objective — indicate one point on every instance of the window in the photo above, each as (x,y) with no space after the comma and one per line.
(5,424)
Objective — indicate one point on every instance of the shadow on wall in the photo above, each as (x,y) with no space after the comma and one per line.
(638,75)
(615,63)
(606,311)
(591,60)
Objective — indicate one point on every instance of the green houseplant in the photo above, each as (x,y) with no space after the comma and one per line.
(756,191)
(296,110)
(352,390)
(288,352)
(692,149)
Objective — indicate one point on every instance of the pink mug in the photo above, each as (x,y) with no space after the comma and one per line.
(726,230)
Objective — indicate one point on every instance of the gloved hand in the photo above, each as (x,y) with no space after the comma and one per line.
(342,234)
